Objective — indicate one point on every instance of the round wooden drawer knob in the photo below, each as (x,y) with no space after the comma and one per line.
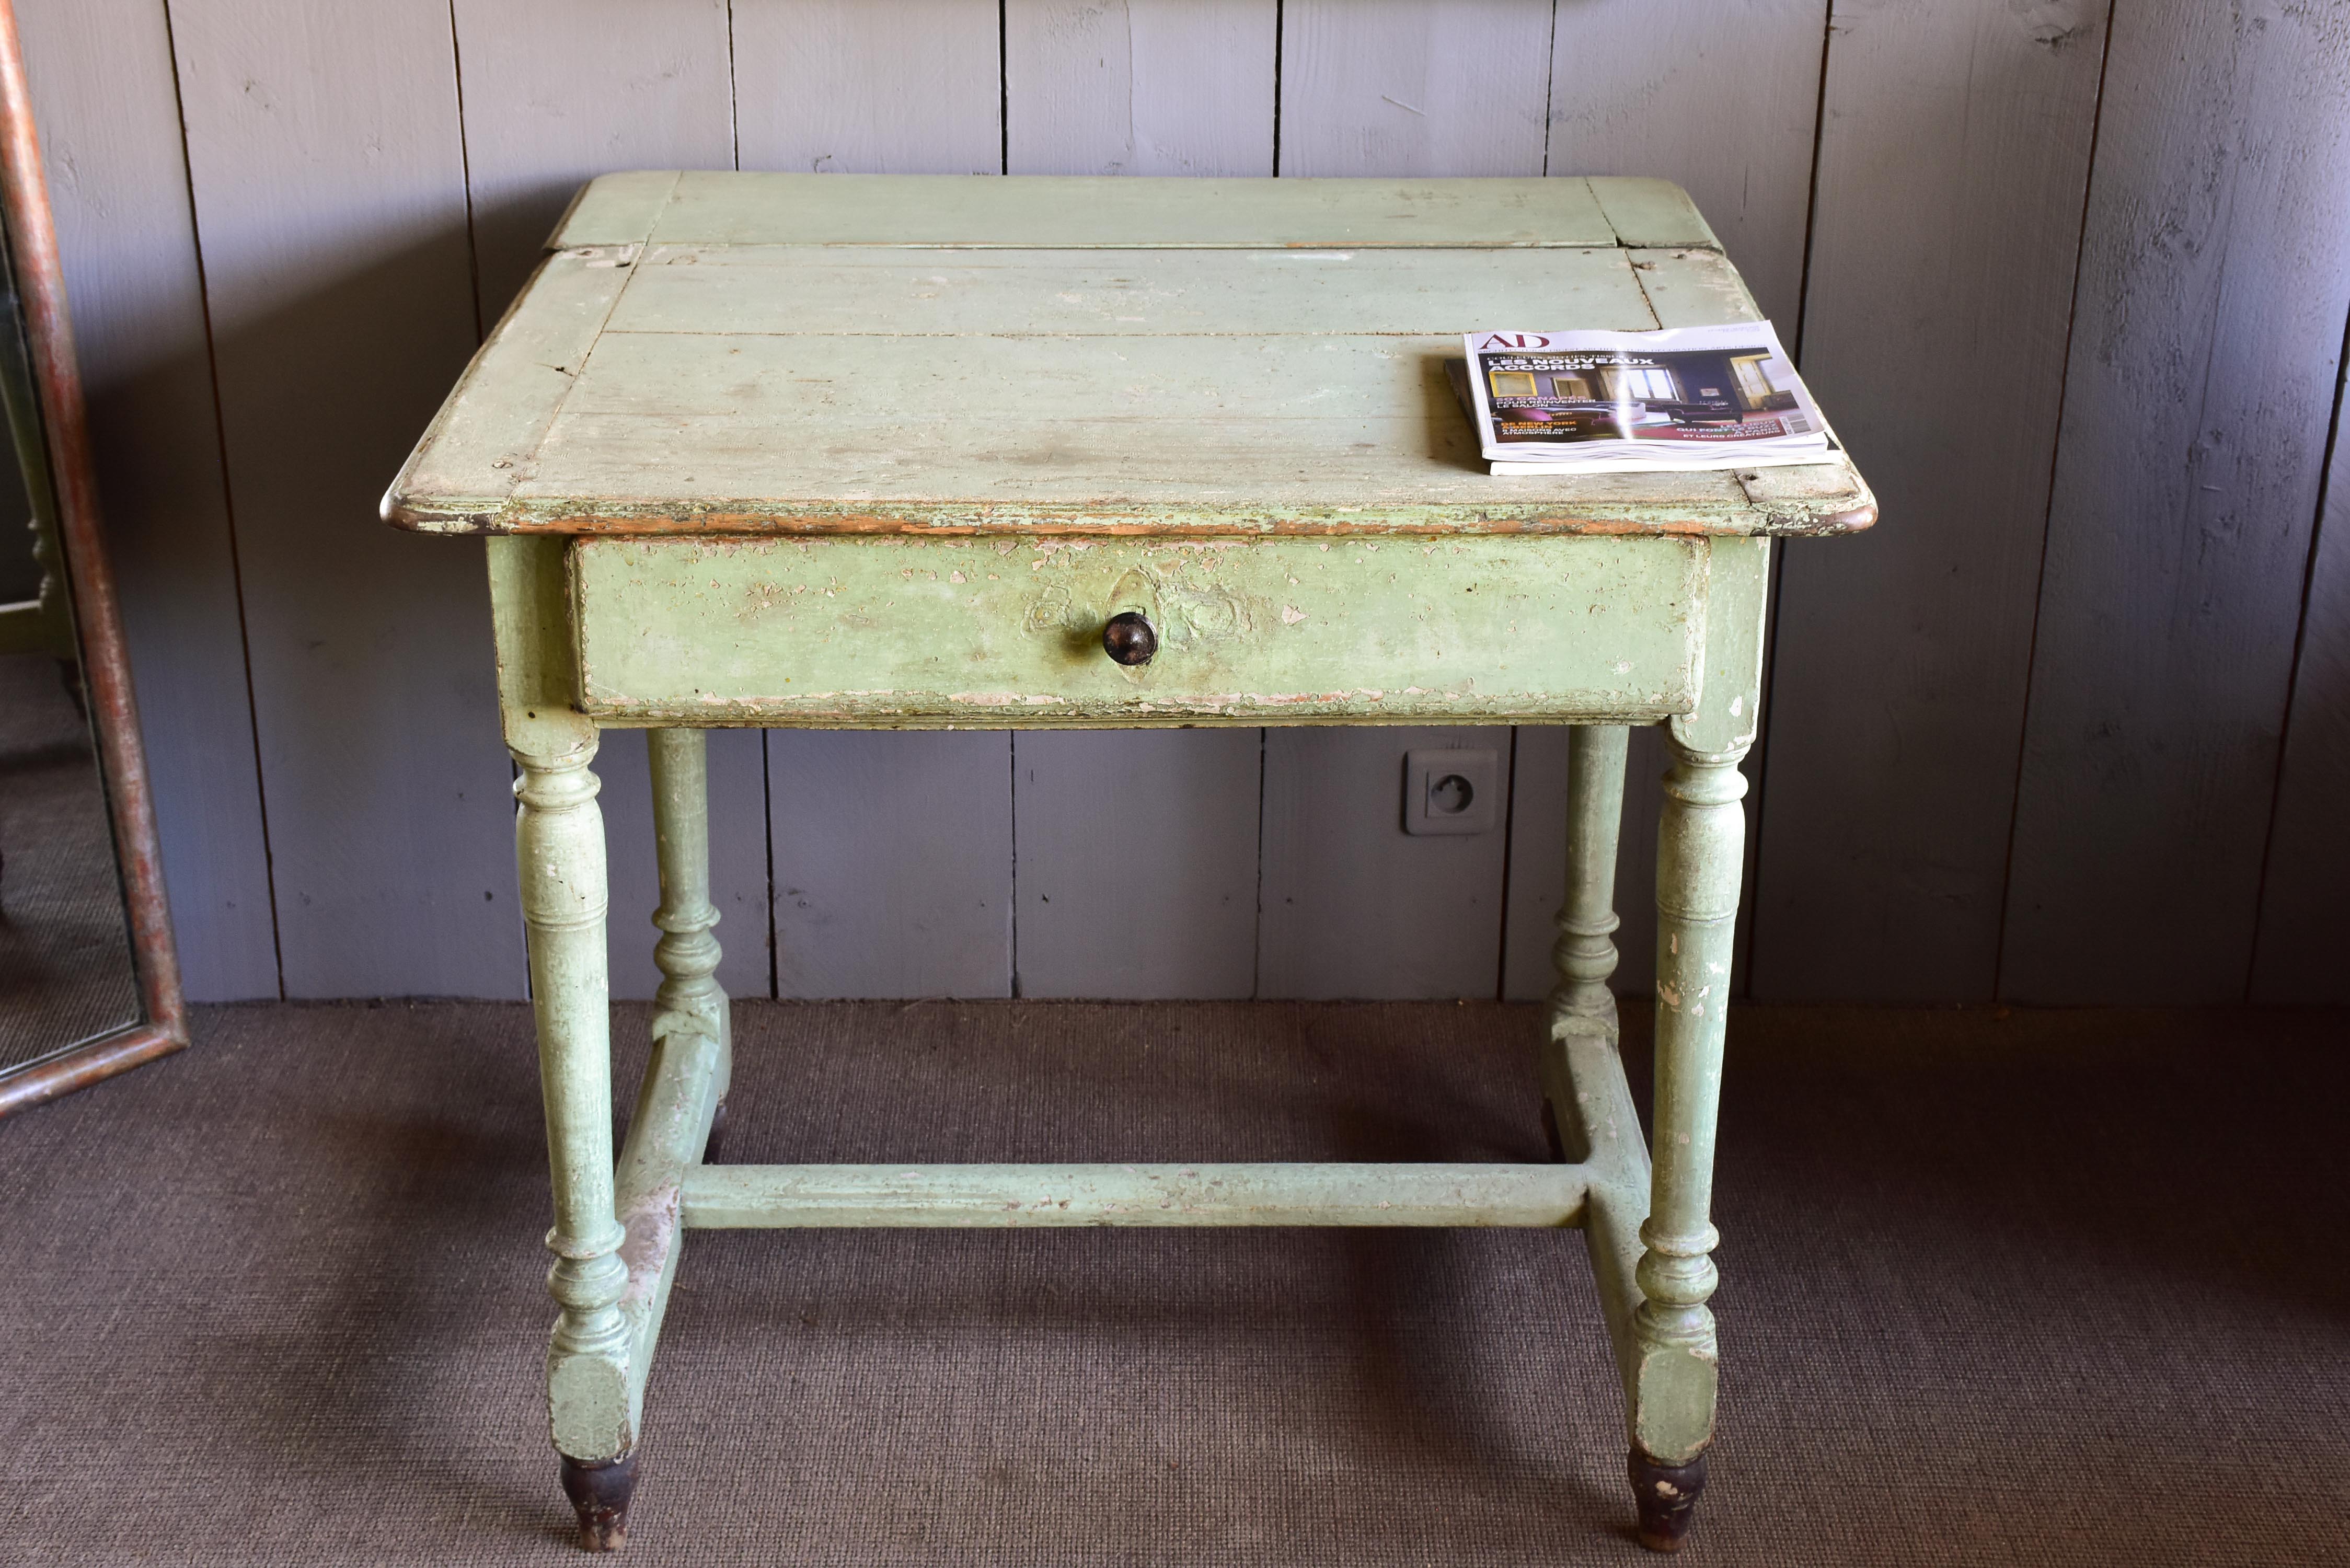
(1129,639)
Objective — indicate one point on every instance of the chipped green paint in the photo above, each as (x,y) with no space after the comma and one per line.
(1701,844)
(779,354)
(1122,212)
(715,508)
(998,633)
(1007,1197)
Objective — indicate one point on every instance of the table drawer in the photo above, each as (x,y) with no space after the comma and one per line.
(982,632)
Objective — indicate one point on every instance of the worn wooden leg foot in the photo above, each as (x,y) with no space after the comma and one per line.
(599,1491)
(1666,1496)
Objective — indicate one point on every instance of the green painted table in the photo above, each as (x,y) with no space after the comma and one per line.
(896,452)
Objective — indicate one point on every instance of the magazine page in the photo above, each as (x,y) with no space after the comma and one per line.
(1691,396)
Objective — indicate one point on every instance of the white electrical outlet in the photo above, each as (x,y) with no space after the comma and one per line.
(1451,791)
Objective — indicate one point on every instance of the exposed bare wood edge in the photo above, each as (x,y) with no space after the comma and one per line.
(1551,217)
(79,1066)
(600,211)
(1666,1496)
(480,508)
(1833,515)
(984,1196)
(599,1491)
(781,716)
(1729,300)
(715,242)
(105,656)
(1156,244)
(667,1133)
(1851,522)
(1651,215)
(554,240)
(534,339)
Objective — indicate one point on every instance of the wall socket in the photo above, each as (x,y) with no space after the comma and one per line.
(1451,791)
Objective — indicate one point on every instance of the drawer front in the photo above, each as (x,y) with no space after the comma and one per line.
(895,632)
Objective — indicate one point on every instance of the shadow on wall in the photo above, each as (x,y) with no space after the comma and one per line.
(371,658)
(510,235)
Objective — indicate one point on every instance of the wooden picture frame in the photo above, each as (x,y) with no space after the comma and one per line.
(160,1027)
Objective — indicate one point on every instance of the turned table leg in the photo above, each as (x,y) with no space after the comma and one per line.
(559,839)
(559,852)
(1584,955)
(687,954)
(1701,842)
(1701,846)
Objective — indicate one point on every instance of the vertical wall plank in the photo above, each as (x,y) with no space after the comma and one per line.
(1353,906)
(2214,283)
(559,91)
(109,122)
(1105,816)
(1414,87)
(892,862)
(1140,87)
(1953,161)
(892,850)
(322,146)
(556,92)
(1138,862)
(2305,928)
(1720,97)
(838,88)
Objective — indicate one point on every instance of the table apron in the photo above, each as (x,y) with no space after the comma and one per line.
(986,633)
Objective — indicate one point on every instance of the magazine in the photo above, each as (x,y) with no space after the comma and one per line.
(1616,403)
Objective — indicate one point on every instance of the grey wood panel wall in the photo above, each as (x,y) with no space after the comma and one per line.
(1137,862)
(328,173)
(1981,775)
(1354,906)
(1154,87)
(1720,96)
(109,122)
(911,87)
(893,863)
(2304,931)
(559,91)
(2189,468)
(1942,259)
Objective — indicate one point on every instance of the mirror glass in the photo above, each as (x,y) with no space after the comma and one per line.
(67,971)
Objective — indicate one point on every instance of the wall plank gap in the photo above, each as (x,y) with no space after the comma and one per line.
(330,205)
(2190,462)
(1952,168)
(2304,926)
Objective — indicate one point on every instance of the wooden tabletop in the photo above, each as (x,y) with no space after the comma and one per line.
(741,353)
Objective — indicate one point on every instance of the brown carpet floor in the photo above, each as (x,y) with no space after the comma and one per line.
(2038,1288)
